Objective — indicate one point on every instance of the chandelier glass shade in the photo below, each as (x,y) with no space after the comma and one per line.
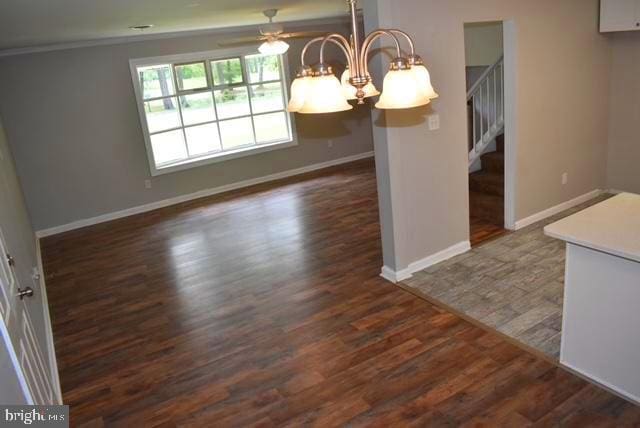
(300,89)
(323,94)
(317,90)
(400,90)
(424,81)
(351,91)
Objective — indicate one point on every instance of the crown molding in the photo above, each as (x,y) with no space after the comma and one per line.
(161,36)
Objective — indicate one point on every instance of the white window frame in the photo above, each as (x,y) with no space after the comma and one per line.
(206,57)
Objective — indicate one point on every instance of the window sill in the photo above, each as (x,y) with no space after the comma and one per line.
(221,157)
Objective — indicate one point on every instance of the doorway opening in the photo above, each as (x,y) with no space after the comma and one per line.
(486,123)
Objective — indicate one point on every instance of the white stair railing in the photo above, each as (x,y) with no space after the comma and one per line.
(486,98)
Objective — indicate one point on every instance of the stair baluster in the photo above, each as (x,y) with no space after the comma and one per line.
(487,118)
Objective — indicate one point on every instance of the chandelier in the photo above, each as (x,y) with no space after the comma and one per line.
(318,90)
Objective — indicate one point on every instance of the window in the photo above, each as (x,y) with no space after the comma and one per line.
(202,108)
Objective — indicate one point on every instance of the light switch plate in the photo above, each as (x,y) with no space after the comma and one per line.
(434,122)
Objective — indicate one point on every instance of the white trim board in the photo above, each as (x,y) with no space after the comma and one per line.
(617,192)
(510,100)
(601,383)
(401,275)
(557,209)
(197,195)
(53,362)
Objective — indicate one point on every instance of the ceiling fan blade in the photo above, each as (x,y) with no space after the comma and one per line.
(242,41)
(302,35)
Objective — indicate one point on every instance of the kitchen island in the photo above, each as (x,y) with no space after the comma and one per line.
(601,311)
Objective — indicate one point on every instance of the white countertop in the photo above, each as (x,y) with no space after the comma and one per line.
(612,226)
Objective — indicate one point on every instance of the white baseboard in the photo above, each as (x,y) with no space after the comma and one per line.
(393,276)
(401,275)
(557,209)
(594,379)
(53,362)
(197,195)
(617,192)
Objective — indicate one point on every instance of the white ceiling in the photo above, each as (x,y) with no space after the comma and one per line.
(30,23)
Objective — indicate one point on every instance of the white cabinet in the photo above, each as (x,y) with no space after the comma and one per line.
(619,15)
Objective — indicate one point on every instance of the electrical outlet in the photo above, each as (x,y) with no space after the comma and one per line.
(565,178)
(329,143)
(147,184)
(434,122)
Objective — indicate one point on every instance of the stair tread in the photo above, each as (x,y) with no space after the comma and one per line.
(487,182)
(487,176)
(495,155)
(481,196)
(493,162)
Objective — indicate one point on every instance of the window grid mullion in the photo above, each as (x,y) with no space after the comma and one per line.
(193,125)
(209,74)
(215,109)
(244,83)
(269,112)
(164,97)
(243,65)
(215,103)
(184,134)
(166,130)
(283,91)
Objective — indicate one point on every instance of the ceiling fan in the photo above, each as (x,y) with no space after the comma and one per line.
(272,35)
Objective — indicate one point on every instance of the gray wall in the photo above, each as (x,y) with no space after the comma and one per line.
(74,128)
(562,91)
(623,170)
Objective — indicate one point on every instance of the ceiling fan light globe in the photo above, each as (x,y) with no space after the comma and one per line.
(273,47)
(400,90)
(325,95)
(351,91)
(424,81)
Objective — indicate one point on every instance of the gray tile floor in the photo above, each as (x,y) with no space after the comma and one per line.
(514,284)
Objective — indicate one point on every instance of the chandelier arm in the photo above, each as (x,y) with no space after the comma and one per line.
(341,41)
(412,47)
(366,46)
(331,38)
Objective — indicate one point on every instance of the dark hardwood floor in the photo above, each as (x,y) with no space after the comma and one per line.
(263,307)
(482,231)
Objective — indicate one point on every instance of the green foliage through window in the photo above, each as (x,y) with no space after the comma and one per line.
(201,107)
(227,71)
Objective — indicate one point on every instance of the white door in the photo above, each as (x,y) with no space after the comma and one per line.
(24,324)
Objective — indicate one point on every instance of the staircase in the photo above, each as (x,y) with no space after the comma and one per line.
(485,103)
(486,146)
(486,187)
